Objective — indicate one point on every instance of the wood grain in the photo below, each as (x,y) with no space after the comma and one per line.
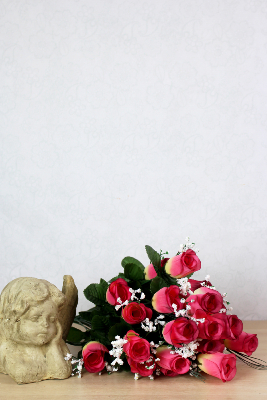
(247,384)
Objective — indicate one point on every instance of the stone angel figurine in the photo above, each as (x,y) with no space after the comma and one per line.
(35,317)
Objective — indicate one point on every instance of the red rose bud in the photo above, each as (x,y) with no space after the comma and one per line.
(164,298)
(93,356)
(134,313)
(171,364)
(145,369)
(222,366)
(183,265)
(246,343)
(181,330)
(235,326)
(136,348)
(215,327)
(150,272)
(208,300)
(167,372)
(118,289)
(197,284)
(210,346)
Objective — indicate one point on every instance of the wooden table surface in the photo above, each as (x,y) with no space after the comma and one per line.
(248,383)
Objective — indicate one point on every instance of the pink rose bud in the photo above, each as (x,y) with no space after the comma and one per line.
(93,356)
(210,346)
(134,313)
(222,366)
(208,300)
(215,327)
(150,272)
(136,348)
(145,369)
(171,364)
(181,330)
(164,298)
(118,289)
(246,343)
(235,326)
(183,265)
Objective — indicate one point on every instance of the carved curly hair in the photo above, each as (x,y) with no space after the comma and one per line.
(22,293)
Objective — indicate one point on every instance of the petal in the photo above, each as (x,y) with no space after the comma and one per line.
(174,266)
(149,313)
(93,346)
(167,332)
(159,301)
(110,298)
(150,272)
(165,357)
(207,364)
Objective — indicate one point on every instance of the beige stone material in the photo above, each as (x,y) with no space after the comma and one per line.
(34,316)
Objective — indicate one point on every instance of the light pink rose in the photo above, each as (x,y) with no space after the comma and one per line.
(171,364)
(164,298)
(222,366)
(183,264)
(150,272)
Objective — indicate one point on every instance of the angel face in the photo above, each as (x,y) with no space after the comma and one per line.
(38,324)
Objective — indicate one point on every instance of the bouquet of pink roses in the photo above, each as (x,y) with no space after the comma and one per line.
(158,320)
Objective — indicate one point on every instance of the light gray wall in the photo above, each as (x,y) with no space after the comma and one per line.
(126,123)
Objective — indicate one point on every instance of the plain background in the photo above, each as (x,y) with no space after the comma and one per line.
(126,123)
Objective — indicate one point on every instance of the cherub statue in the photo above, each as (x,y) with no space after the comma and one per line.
(34,316)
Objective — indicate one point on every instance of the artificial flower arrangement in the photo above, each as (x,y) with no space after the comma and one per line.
(158,320)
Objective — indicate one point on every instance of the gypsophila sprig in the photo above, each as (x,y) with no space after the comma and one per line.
(77,364)
(157,320)
(186,246)
(148,326)
(117,350)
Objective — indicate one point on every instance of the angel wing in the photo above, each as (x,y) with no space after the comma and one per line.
(68,311)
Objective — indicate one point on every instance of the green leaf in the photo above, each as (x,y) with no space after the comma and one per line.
(154,257)
(96,293)
(76,336)
(189,276)
(87,314)
(168,278)
(156,284)
(120,275)
(107,309)
(104,284)
(98,323)
(119,329)
(100,337)
(132,260)
(82,322)
(171,281)
(133,272)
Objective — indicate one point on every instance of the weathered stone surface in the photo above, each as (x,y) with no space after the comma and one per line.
(35,316)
